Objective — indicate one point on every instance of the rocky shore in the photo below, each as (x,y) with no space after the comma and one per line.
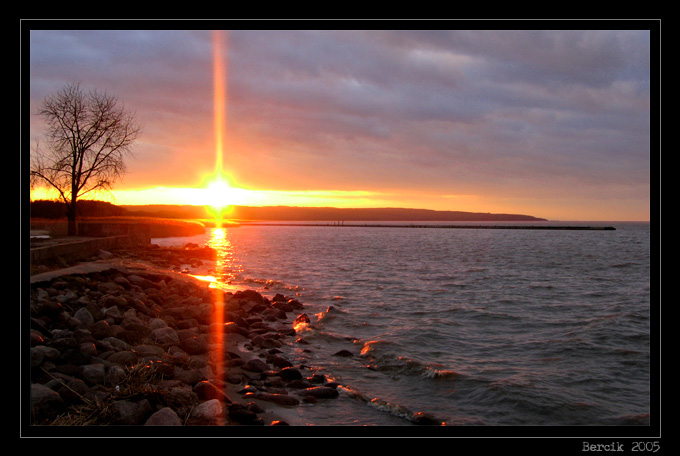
(135,342)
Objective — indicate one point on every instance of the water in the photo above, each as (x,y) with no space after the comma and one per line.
(474,327)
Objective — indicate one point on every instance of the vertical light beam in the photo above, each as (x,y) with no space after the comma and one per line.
(219,100)
(219,96)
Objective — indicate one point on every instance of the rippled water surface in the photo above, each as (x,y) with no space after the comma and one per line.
(473,326)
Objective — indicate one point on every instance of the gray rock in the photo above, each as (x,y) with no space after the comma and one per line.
(132,413)
(164,417)
(45,403)
(84,317)
(165,335)
(93,374)
(209,412)
(124,358)
(115,374)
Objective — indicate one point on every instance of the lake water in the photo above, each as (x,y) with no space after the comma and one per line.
(487,327)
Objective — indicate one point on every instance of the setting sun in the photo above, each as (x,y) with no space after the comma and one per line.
(217,195)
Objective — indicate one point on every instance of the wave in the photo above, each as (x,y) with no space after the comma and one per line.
(381,358)
(269,284)
(393,409)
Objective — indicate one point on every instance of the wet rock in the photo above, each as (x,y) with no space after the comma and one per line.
(344,353)
(320,392)
(241,414)
(280,399)
(425,419)
(291,373)
(255,365)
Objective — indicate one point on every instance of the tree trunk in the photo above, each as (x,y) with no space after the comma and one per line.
(71,216)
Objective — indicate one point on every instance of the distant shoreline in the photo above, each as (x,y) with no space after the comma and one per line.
(324,214)
(482,227)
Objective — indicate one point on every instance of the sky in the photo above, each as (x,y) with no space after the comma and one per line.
(549,123)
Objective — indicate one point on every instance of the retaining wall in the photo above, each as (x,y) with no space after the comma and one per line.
(81,248)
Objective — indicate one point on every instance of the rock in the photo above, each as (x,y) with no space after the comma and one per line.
(209,412)
(140,281)
(84,317)
(45,403)
(206,390)
(164,417)
(249,295)
(88,348)
(255,365)
(105,255)
(344,353)
(101,330)
(132,413)
(280,361)
(94,374)
(123,358)
(88,330)
(242,414)
(165,335)
(114,313)
(148,350)
(302,319)
(115,375)
(190,376)
(75,391)
(280,399)
(42,353)
(425,419)
(291,373)
(195,345)
(157,323)
(320,392)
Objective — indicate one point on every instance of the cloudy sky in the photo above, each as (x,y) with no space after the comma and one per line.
(554,124)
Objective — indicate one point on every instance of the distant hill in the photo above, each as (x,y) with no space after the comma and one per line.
(287,213)
(293,213)
(50,209)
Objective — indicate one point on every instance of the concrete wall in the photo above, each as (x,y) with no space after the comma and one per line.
(81,248)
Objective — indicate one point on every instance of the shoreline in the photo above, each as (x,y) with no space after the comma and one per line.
(131,339)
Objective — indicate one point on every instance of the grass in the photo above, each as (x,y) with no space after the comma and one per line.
(139,383)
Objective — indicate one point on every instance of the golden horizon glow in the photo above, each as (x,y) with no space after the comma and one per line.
(192,196)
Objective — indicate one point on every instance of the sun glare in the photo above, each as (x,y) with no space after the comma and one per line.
(217,194)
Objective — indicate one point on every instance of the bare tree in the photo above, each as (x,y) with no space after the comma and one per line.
(88,137)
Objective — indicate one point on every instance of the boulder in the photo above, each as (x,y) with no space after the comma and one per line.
(207,413)
(164,417)
(46,404)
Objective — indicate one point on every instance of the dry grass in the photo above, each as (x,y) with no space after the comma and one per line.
(139,383)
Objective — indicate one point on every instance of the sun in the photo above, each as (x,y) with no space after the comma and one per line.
(219,196)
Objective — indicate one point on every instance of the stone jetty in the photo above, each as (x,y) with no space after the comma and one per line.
(144,345)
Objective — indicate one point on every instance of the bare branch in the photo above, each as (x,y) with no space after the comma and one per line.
(88,138)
